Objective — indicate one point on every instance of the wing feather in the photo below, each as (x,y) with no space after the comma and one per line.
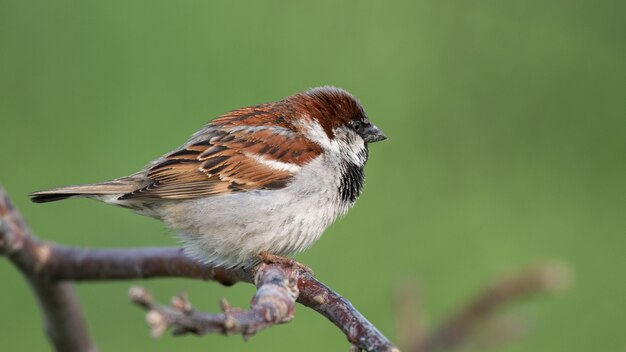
(247,149)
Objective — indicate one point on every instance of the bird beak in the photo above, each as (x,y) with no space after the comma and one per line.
(371,134)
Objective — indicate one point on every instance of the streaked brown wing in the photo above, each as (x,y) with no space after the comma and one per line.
(247,149)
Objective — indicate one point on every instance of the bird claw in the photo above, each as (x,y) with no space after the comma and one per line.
(269,258)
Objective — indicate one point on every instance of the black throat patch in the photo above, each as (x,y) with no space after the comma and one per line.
(352,180)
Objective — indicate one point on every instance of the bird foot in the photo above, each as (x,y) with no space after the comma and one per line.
(269,258)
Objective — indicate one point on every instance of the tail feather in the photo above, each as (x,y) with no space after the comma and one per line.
(90,190)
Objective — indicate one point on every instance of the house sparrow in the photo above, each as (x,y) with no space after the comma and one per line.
(266,178)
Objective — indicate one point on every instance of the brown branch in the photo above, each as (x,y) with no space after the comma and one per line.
(359,331)
(52,266)
(81,264)
(65,324)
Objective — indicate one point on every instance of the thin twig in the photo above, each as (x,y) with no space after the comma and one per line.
(272,304)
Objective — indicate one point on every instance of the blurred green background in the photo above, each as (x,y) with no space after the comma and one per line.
(507,143)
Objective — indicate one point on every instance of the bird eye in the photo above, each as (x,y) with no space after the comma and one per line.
(356,124)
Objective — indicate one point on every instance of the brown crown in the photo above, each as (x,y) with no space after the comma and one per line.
(330,106)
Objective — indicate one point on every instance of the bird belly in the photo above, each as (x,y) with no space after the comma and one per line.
(231,230)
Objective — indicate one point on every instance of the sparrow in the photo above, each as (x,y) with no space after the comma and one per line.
(262,180)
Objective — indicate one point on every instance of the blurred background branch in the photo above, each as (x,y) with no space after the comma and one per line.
(464,326)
